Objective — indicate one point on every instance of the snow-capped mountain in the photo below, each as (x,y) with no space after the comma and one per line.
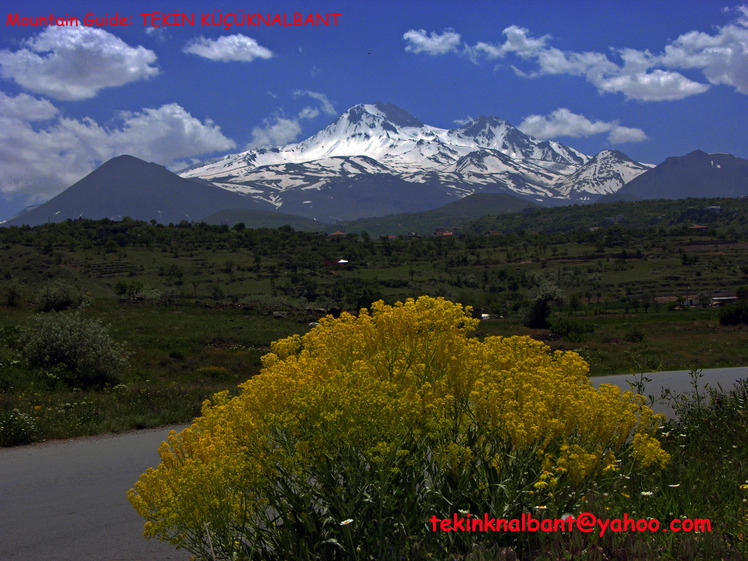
(369,142)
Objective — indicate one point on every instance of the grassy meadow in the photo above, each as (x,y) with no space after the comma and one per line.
(195,306)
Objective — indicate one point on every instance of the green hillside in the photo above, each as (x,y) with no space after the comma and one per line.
(451,216)
(712,213)
(263,219)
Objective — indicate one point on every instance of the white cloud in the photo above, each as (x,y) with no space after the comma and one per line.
(166,134)
(326,105)
(658,85)
(517,41)
(463,122)
(308,113)
(622,135)
(74,63)
(159,33)
(722,57)
(279,130)
(41,159)
(590,64)
(24,106)
(562,122)
(432,44)
(638,77)
(743,18)
(228,48)
(276,131)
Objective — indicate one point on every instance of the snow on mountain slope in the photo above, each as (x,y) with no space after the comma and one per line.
(489,132)
(605,173)
(378,139)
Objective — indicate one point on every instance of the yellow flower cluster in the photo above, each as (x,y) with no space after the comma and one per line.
(367,383)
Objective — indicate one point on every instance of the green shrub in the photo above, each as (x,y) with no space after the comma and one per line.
(573,330)
(79,351)
(11,293)
(634,334)
(735,314)
(128,290)
(742,292)
(58,296)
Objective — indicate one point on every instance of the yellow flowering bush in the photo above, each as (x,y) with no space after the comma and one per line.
(354,434)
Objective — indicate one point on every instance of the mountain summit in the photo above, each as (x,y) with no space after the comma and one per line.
(372,145)
(128,186)
(696,174)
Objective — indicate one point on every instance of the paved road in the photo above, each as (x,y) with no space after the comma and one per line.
(678,381)
(67,501)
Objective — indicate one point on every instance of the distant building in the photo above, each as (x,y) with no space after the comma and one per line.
(617,219)
(722,300)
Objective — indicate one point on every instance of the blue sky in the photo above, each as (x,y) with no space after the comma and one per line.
(652,79)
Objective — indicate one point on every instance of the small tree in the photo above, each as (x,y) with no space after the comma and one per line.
(58,296)
(646,302)
(12,293)
(574,302)
(704,299)
(541,298)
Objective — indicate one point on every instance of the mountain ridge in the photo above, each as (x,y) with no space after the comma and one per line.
(377,159)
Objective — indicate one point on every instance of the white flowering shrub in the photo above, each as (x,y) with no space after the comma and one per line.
(78,351)
(17,428)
